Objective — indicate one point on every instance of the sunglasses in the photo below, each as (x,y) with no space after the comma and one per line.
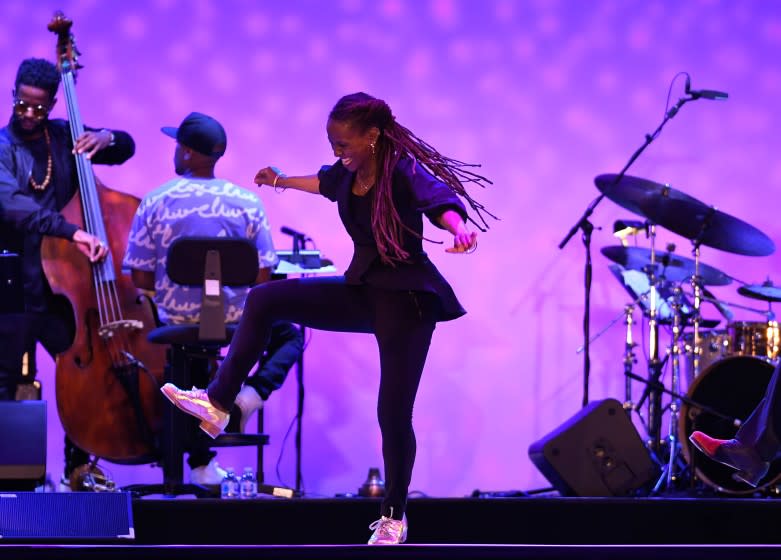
(21,107)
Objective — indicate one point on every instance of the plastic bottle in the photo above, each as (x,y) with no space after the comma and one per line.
(249,484)
(229,489)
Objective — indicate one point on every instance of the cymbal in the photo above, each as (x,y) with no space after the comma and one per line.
(765,291)
(685,215)
(636,194)
(711,227)
(673,268)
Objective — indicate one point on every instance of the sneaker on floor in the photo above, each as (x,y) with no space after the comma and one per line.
(196,403)
(208,475)
(389,531)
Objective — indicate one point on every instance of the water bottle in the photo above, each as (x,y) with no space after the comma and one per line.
(249,484)
(229,489)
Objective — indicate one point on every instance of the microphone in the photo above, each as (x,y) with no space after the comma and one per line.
(293,233)
(704,93)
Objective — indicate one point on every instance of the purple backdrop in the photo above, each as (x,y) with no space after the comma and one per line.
(545,94)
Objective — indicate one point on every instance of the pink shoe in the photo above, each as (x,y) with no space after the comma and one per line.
(196,403)
(388,530)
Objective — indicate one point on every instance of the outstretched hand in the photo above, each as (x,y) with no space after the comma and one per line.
(267,175)
(463,242)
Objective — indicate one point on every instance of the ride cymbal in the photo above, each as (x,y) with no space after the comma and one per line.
(710,227)
(685,215)
(671,267)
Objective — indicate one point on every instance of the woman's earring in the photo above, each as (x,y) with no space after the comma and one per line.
(374,148)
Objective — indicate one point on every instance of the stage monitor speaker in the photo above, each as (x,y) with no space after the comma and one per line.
(77,516)
(597,452)
(22,444)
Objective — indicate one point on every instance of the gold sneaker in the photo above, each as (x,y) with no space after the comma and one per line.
(196,403)
(388,530)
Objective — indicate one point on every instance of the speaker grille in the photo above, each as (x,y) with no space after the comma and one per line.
(76,515)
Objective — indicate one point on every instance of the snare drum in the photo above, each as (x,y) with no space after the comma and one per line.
(760,339)
(714,346)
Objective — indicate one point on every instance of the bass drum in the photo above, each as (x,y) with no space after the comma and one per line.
(733,386)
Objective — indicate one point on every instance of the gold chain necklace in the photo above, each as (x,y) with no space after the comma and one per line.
(48,177)
(363,187)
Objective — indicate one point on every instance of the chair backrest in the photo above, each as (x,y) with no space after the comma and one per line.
(212,262)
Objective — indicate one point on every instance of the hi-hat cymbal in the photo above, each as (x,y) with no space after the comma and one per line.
(673,268)
(685,215)
(765,292)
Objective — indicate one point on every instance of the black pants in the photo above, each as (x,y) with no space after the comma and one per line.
(19,334)
(283,351)
(761,430)
(402,322)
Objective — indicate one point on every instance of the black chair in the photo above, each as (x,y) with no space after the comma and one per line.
(211,263)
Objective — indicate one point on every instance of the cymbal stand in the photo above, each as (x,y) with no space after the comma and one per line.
(675,403)
(652,391)
(629,357)
(696,283)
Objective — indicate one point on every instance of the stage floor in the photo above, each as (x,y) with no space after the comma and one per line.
(533,527)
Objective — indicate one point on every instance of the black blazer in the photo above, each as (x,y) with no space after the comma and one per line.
(415,193)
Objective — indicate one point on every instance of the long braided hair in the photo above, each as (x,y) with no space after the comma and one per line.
(395,141)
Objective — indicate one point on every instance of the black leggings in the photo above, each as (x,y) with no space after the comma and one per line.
(402,322)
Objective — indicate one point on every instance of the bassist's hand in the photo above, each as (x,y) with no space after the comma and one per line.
(91,246)
(92,141)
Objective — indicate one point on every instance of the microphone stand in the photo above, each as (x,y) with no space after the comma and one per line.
(298,244)
(587,228)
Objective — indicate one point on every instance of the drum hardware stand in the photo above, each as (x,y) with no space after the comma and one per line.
(652,391)
(698,295)
(629,357)
(675,404)
(629,345)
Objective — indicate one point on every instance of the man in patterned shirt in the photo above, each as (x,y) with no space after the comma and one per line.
(198,203)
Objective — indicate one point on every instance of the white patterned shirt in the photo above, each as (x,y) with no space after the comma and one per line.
(195,207)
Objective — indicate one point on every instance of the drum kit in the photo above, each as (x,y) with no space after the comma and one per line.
(726,371)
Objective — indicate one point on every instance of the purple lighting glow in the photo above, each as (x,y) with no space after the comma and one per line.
(545,95)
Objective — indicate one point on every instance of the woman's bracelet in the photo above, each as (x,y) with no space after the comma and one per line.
(278,175)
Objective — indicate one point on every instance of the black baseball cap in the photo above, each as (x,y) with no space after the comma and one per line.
(201,133)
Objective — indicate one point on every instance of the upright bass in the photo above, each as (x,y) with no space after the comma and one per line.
(107,382)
